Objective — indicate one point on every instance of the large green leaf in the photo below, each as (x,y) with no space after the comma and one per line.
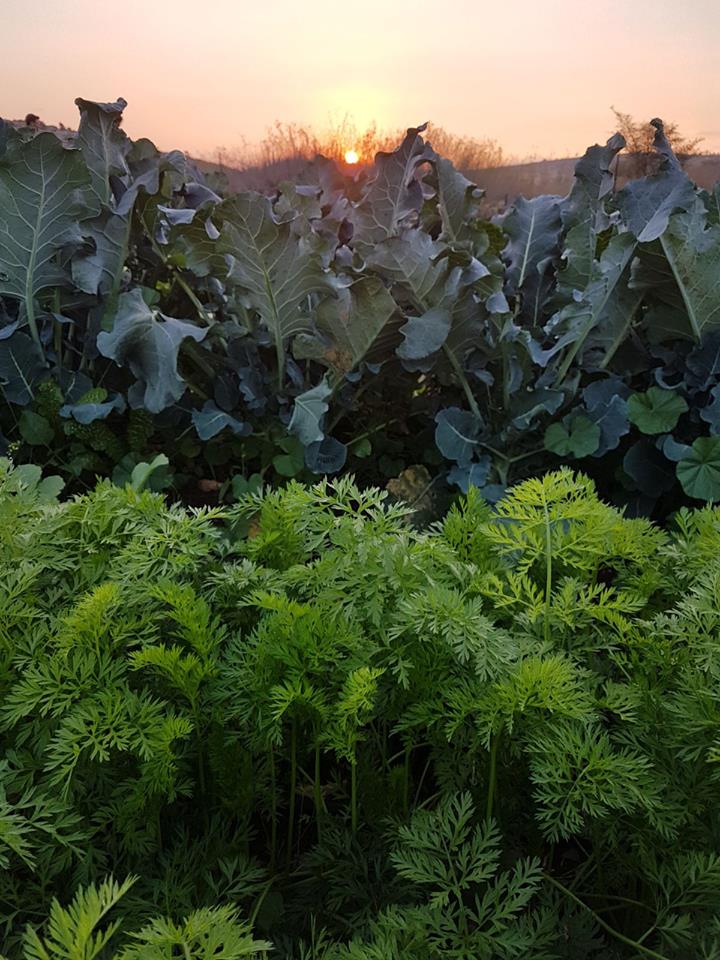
(533,229)
(699,472)
(151,172)
(429,286)
(468,330)
(201,252)
(656,410)
(298,201)
(462,229)
(579,437)
(29,476)
(607,407)
(45,194)
(355,321)
(308,412)
(416,264)
(574,323)
(98,270)
(106,149)
(456,434)
(711,199)
(35,429)
(211,420)
(458,200)
(142,472)
(148,343)
(647,204)
(104,145)
(395,194)
(425,335)
(652,279)
(6,134)
(649,468)
(529,405)
(21,368)
(616,320)
(692,248)
(583,214)
(117,168)
(276,269)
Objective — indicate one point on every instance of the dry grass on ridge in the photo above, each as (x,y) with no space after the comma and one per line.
(288,142)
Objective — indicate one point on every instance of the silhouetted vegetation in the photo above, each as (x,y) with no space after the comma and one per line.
(292,142)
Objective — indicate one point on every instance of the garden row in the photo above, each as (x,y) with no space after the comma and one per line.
(299,727)
(362,325)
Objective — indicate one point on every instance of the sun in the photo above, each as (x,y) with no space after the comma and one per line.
(351,156)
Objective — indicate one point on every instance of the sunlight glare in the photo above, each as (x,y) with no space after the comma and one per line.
(351,156)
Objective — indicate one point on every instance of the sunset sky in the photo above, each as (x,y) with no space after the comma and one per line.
(538,77)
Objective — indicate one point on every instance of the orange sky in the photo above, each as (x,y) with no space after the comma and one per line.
(539,77)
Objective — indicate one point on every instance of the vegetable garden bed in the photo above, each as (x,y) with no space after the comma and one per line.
(301,722)
(364,325)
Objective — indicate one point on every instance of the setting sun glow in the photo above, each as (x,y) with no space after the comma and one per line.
(351,156)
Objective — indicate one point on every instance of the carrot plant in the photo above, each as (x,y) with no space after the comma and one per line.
(303,727)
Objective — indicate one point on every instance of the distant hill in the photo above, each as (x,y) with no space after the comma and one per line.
(263,179)
(33,122)
(501,184)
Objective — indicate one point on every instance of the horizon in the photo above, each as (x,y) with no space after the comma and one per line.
(464,72)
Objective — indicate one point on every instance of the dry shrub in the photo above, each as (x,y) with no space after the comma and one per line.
(285,144)
(639,159)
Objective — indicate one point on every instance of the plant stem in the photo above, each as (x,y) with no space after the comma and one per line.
(504,456)
(506,373)
(273,812)
(454,363)
(317,792)
(406,785)
(260,900)
(204,316)
(190,293)
(548,571)
(422,780)
(201,765)
(371,433)
(353,794)
(57,331)
(200,750)
(620,900)
(606,926)
(293,788)
(196,354)
(492,776)
(30,274)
